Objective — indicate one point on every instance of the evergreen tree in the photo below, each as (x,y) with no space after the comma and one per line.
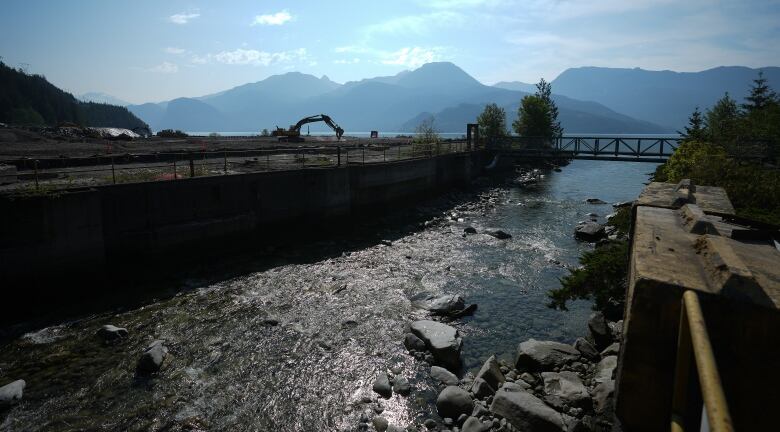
(722,120)
(544,91)
(492,122)
(695,129)
(761,95)
(534,118)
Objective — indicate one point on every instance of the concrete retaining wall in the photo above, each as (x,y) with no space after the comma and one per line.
(82,233)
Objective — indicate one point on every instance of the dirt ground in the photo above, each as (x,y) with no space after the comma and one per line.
(16,143)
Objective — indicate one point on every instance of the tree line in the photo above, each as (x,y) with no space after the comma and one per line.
(537,117)
(31,100)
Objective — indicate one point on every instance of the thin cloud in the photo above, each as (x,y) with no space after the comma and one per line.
(278,18)
(165,68)
(183,18)
(175,51)
(412,57)
(254,57)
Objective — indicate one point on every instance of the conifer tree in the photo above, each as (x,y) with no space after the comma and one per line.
(694,131)
(761,95)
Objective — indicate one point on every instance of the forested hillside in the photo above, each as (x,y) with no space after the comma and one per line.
(32,100)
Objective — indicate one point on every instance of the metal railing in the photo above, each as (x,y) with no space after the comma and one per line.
(704,387)
(586,147)
(67,173)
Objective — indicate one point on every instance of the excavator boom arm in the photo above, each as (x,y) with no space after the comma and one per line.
(317,118)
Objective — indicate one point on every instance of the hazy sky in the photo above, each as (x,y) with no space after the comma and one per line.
(149,50)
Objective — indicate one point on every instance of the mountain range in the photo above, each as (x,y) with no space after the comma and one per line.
(391,103)
(590,100)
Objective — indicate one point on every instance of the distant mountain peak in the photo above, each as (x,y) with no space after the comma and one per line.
(437,75)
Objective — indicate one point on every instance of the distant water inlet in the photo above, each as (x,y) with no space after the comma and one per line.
(293,340)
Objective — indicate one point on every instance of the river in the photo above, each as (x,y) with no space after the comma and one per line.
(342,306)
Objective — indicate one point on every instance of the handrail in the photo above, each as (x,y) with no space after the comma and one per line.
(686,404)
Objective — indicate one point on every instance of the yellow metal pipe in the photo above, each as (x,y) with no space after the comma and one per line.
(709,379)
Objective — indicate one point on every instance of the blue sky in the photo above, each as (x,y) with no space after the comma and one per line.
(145,50)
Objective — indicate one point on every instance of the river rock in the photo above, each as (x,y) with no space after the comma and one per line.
(380,423)
(454,401)
(526,411)
(544,355)
(501,235)
(382,386)
(481,388)
(594,201)
(469,230)
(152,358)
(444,304)
(605,369)
(112,333)
(603,396)
(413,343)
(565,389)
(617,330)
(442,340)
(444,376)
(587,349)
(599,330)
(12,393)
(472,424)
(611,350)
(401,386)
(589,231)
(491,373)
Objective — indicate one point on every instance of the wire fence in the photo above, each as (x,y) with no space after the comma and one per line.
(49,174)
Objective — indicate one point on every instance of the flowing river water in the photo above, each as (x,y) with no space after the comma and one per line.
(342,306)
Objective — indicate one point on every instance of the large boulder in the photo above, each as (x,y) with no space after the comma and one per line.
(605,369)
(525,411)
(599,330)
(587,349)
(454,401)
(12,393)
(481,388)
(603,396)
(382,386)
(444,304)
(491,373)
(565,389)
(413,343)
(443,376)
(589,231)
(442,340)
(152,358)
(544,355)
(401,386)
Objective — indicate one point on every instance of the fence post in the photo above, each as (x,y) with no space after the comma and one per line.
(364,155)
(35,167)
(384,155)
(399,151)
(192,166)
(338,156)
(303,158)
(267,161)
(225,157)
(174,167)
(113,173)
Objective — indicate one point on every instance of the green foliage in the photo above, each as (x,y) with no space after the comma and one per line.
(170,133)
(622,220)
(722,120)
(544,91)
(602,278)
(695,130)
(534,118)
(761,95)
(32,100)
(492,122)
(753,190)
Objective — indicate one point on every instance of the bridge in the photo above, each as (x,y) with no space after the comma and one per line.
(611,148)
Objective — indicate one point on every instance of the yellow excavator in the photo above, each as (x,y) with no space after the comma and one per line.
(293,134)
